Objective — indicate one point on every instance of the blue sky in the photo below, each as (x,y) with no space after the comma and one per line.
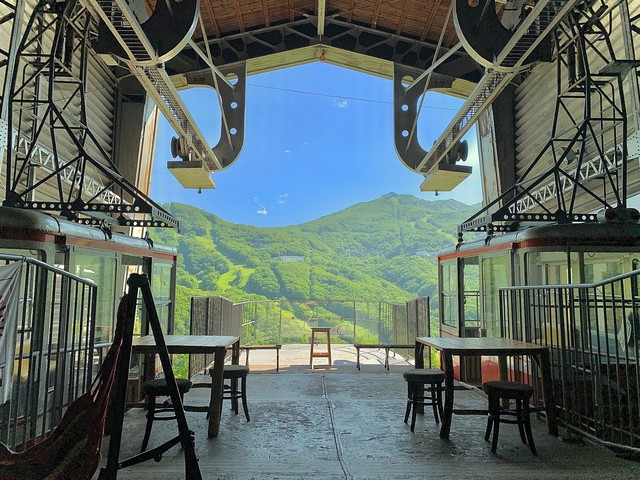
(318,139)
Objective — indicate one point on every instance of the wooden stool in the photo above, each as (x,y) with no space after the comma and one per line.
(231,390)
(417,379)
(326,354)
(520,392)
(159,388)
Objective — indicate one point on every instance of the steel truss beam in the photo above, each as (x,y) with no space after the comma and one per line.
(589,153)
(47,96)
(14,18)
(149,68)
(395,48)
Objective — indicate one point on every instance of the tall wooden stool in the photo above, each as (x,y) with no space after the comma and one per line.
(159,388)
(231,390)
(325,354)
(418,393)
(520,392)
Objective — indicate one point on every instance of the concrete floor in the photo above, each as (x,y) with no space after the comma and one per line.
(341,423)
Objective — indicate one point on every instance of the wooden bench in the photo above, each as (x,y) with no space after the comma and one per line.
(386,346)
(248,348)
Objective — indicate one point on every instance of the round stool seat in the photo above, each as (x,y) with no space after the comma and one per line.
(505,389)
(423,375)
(158,387)
(233,371)
(424,387)
(520,392)
(233,391)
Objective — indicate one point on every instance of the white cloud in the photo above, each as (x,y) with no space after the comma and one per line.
(287,151)
(281,199)
(262,211)
(340,103)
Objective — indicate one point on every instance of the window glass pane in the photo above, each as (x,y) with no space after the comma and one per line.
(495,274)
(161,290)
(102,270)
(548,268)
(472,318)
(609,304)
(601,266)
(449,293)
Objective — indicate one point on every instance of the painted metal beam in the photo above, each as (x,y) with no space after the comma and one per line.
(322,11)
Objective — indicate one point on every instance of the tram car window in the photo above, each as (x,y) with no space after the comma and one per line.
(549,255)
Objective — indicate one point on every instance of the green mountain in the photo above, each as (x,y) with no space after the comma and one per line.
(382,250)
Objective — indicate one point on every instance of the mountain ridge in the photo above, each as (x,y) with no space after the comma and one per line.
(380,250)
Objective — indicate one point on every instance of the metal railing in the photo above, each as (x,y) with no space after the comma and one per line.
(593,333)
(272,322)
(351,321)
(55,355)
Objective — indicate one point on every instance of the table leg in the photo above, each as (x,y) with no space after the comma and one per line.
(547,392)
(502,367)
(215,403)
(504,374)
(235,354)
(419,363)
(448,394)
(419,355)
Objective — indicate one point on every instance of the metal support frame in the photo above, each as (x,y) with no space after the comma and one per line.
(87,188)
(589,156)
(232,106)
(337,34)
(509,62)
(405,110)
(7,62)
(148,67)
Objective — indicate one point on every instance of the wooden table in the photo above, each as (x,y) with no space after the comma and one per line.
(194,344)
(487,346)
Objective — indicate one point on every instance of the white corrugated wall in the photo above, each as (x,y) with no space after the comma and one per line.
(100,94)
(535,103)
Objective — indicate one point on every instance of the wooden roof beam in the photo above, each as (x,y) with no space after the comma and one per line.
(212,16)
(322,10)
(403,17)
(265,13)
(236,7)
(376,14)
(429,23)
(350,12)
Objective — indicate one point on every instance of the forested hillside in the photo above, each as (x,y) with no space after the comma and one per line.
(383,250)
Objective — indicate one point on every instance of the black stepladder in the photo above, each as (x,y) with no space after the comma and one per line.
(140,283)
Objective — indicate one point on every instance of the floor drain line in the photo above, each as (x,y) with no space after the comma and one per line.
(336,436)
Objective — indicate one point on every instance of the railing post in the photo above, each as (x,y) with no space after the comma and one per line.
(354,322)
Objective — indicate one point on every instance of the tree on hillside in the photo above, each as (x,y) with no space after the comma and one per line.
(263,282)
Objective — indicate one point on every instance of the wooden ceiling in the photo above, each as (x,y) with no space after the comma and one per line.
(422,20)
(370,36)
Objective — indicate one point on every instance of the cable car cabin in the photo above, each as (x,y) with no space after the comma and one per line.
(471,274)
(72,279)
(96,254)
